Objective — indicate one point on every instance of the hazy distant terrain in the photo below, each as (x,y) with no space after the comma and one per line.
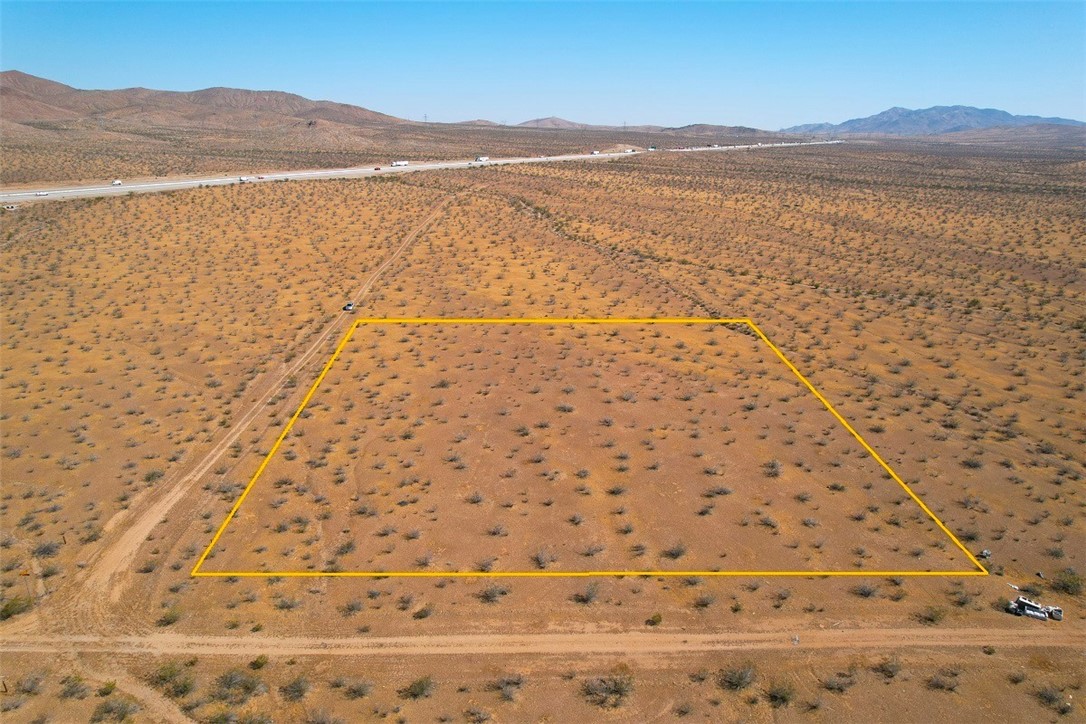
(932,121)
(53,132)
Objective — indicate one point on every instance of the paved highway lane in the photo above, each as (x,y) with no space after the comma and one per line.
(12,196)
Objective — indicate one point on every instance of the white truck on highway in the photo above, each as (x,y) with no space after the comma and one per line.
(116,182)
(398,163)
(482,159)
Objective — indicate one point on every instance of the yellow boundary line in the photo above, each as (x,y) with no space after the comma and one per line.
(196,572)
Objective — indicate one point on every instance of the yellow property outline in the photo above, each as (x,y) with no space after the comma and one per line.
(196,572)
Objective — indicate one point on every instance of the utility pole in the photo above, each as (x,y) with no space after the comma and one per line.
(425,118)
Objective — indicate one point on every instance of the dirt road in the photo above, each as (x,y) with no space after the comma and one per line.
(107,572)
(578,644)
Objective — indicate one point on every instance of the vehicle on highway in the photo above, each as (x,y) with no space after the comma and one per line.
(482,159)
(348,307)
(244,179)
(42,193)
(260,177)
(398,163)
(595,153)
(377,168)
(116,182)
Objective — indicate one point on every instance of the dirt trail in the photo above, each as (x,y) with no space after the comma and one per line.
(153,705)
(107,572)
(572,644)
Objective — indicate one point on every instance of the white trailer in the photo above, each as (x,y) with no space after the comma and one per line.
(1022,606)
(398,163)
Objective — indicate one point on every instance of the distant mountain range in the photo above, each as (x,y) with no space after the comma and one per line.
(25,98)
(28,103)
(28,99)
(562,124)
(695,129)
(932,121)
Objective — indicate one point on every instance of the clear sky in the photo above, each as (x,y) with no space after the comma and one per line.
(767,64)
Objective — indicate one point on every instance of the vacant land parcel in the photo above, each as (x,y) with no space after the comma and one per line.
(498,447)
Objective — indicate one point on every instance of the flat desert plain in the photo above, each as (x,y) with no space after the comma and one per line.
(156,348)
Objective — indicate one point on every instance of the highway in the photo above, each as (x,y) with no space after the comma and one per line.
(56,193)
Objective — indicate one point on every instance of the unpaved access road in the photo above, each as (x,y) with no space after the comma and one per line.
(574,644)
(108,570)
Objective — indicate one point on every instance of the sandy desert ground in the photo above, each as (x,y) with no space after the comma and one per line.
(155,347)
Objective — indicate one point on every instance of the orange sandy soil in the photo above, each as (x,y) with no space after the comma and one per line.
(155,346)
(665,688)
(573,448)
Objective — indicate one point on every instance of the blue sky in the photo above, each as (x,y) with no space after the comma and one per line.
(767,64)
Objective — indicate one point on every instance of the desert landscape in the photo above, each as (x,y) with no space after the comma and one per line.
(156,346)
(55,133)
(363,362)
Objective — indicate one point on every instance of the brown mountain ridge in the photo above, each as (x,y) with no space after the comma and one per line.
(27,98)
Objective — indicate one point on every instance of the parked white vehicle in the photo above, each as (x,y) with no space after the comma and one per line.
(1022,606)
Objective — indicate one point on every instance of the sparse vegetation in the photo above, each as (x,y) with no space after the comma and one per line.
(608,692)
(235,687)
(114,709)
(295,689)
(1068,581)
(780,695)
(880,269)
(931,615)
(888,668)
(420,688)
(507,686)
(14,606)
(738,678)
